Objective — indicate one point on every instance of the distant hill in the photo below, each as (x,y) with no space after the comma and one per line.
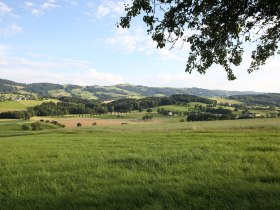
(107,93)
(268,99)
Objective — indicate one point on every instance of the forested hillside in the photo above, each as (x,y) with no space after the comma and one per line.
(269,99)
(107,93)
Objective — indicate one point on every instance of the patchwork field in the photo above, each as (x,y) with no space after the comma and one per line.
(154,165)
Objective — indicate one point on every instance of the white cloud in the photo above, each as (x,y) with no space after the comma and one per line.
(7,17)
(136,40)
(4,50)
(73,3)
(4,9)
(102,11)
(10,30)
(64,71)
(127,41)
(182,79)
(81,77)
(110,7)
(40,9)
(55,70)
(264,80)
(91,4)
(28,4)
(49,5)
(105,77)
(106,8)
(36,12)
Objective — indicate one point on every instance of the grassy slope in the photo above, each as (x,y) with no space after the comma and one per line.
(13,128)
(21,105)
(11,106)
(180,108)
(203,165)
(224,100)
(173,108)
(58,93)
(31,103)
(83,94)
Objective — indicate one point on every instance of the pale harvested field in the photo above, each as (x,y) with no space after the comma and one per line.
(72,122)
(4,120)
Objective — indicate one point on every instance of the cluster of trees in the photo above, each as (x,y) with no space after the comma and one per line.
(64,108)
(167,112)
(219,111)
(2,98)
(147,117)
(202,113)
(184,99)
(39,125)
(6,88)
(206,116)
(36,126)
(16,115)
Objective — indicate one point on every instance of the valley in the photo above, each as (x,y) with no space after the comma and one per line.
(156,152)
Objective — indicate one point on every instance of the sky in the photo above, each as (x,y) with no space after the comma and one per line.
(77,42)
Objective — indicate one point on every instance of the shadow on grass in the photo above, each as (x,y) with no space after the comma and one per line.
(192,196)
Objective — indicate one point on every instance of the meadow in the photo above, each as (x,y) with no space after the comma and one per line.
(21,105)
(150,165)
(11,106)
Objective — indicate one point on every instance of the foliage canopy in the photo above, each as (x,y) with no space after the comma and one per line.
(215,29)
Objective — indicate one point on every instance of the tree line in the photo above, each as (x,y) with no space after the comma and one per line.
(127,105)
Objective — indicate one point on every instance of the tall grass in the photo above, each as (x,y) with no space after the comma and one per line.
(214,165)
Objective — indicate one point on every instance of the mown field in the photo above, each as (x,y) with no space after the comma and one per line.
(21,105)
(224,100)
(150,165)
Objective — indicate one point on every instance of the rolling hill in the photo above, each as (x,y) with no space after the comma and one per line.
(107,93)
(268,99)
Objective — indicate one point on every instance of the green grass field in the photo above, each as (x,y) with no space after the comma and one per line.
(11,106)
(198,165)
(83,94)
(173,108)
(224,100)
(180,108)
(31,103)
(21,105)
(58,93)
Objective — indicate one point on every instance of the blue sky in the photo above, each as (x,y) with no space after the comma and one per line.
(77,42)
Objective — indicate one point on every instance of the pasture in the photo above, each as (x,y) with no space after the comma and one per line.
(225,100)
(21,105)
(11,106)
(173,108)
(83,94)
(148,165)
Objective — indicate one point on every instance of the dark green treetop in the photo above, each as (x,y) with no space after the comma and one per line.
(215,29)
